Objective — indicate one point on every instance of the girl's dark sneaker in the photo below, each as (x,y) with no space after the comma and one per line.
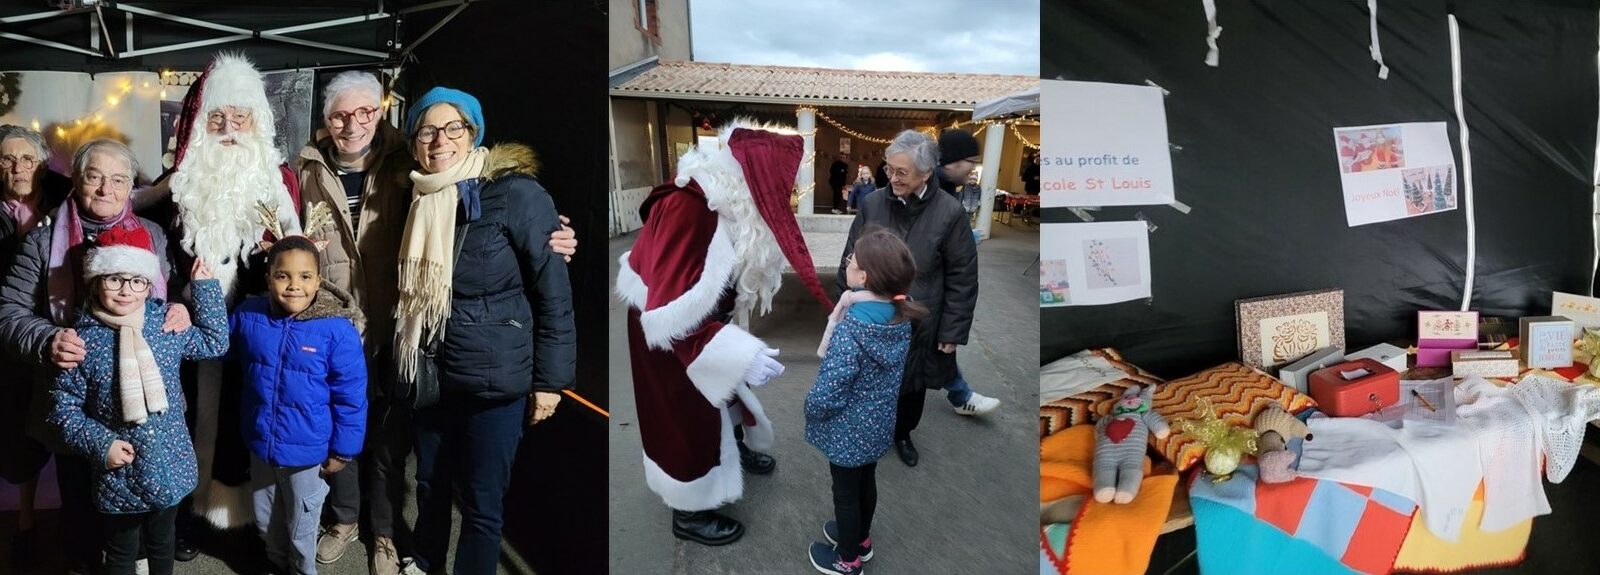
(826,560)
(831,531)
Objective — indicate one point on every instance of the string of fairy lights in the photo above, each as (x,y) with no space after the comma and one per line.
(932,130)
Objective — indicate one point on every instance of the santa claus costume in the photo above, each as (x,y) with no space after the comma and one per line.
(224,171)
(710,250)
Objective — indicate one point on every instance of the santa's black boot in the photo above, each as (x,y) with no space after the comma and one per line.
(756,462)
(706,527)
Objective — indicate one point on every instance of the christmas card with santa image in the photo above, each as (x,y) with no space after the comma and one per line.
(1395,171)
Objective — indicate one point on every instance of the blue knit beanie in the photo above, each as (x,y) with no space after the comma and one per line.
(441,95)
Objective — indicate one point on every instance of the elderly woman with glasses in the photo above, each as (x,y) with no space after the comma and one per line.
(41,295)
(934,225)
(480,285)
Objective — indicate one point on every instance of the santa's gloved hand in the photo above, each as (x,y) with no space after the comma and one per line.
(763,368)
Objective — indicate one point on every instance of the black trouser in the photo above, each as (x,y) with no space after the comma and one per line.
(126,532)
(75,482)
(855,497)
(379,474)
(908,413)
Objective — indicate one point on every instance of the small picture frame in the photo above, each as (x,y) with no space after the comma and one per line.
(1278,330)
(1545,342)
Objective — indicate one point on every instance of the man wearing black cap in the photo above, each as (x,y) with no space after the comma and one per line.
(958,156)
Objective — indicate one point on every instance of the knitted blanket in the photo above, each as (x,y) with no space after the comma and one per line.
(1305,526)
(1105,538)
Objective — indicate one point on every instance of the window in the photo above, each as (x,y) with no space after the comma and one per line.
(647,21)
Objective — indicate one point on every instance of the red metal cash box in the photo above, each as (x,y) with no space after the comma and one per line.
(1341,397)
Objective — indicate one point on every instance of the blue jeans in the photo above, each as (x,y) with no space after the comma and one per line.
(465,444)
(957,392)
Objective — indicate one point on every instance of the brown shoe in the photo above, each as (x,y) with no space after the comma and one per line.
(385,560)
(335,540)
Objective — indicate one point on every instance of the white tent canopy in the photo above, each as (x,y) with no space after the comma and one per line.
(1024,103)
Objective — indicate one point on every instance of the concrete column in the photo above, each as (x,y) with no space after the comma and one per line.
(806,122)
(994,140)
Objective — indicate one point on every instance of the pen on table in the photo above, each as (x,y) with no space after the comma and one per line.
(1424,400)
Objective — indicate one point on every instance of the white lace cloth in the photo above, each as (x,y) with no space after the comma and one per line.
(1434,464)
(1508,445)
(1564,411)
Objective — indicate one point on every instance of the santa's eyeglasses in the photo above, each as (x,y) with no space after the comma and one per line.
(236,119)
(453,130)
(360,115)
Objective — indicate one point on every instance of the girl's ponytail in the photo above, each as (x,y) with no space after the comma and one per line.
(890,271)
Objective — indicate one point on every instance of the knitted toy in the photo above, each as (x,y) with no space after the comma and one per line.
(1274,428)
(1591,346)
(1119,445)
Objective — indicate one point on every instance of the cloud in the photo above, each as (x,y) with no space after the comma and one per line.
(995,37)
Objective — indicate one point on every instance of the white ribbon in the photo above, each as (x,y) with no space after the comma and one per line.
(1212,31)
(1377,53)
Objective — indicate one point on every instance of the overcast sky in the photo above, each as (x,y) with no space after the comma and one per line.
(989,37)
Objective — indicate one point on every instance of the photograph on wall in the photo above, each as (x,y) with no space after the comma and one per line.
(1395,171)
(1109,260)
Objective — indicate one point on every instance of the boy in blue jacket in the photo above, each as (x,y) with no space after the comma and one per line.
(305,397)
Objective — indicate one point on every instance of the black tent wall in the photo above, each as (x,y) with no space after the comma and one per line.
(1257,163)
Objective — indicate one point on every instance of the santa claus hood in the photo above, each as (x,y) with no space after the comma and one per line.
(232,80)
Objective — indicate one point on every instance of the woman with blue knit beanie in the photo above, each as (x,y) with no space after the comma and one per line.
(485,299)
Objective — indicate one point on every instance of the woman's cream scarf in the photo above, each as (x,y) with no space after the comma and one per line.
(139,384)
(427,258)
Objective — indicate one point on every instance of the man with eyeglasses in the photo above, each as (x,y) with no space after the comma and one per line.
(39,298)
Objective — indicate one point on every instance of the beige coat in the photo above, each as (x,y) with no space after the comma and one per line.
(365,264)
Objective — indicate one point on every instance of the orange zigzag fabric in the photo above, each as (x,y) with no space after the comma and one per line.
(1234,389)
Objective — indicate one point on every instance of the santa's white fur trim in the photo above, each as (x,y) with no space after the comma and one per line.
(122,260)
(723,484)
(719,369)
(235,81)
(225,506)
(672,321)
(758,437)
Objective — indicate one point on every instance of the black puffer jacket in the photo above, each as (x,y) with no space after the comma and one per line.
(511,325)
(935,228)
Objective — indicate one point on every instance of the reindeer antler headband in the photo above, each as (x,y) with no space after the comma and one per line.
(317,216)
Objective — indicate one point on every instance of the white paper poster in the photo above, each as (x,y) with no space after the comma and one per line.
(1584,311)
(1103,145)
(1093,263)
(1395,171)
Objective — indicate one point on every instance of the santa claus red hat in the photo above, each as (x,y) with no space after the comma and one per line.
(124,249)
(770,162)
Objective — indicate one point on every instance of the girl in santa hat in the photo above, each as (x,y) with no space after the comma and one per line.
(850,410)
(122,408)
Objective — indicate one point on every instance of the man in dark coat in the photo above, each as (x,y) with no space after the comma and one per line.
(935,227)
(838,174)
(958,157)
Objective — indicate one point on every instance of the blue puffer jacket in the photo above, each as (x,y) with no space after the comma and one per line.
(88,407)
(850,411)
(305,393)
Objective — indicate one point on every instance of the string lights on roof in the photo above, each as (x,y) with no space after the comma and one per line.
(932,130)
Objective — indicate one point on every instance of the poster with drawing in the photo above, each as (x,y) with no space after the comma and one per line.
(1093,263)
(1103,145)
(1395,171)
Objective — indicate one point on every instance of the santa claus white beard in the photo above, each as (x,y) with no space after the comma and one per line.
(216,190)
(759,269)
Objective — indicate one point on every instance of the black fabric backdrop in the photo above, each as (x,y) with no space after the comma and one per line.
(1258,166)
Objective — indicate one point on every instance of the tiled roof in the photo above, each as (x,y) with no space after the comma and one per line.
(788,85)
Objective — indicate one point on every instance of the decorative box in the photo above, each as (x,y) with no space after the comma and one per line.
(1484,363)
(1495,331)
(1439,332)
(1355,388)
(1545,342)
(1386,354)
(1295,374)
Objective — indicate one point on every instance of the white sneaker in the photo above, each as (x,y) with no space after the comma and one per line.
(978,404)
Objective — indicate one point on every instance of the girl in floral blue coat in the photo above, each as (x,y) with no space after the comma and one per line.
(122,408)
(850,411)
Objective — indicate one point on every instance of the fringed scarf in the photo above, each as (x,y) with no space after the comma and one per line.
(139,384)
(427,258)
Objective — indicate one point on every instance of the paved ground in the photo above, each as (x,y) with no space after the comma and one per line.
(968,508)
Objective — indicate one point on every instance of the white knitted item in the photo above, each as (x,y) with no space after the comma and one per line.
(1508,445)
(1422,462)
(1564,410)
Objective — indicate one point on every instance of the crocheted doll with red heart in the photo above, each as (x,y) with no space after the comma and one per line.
(1119,445)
